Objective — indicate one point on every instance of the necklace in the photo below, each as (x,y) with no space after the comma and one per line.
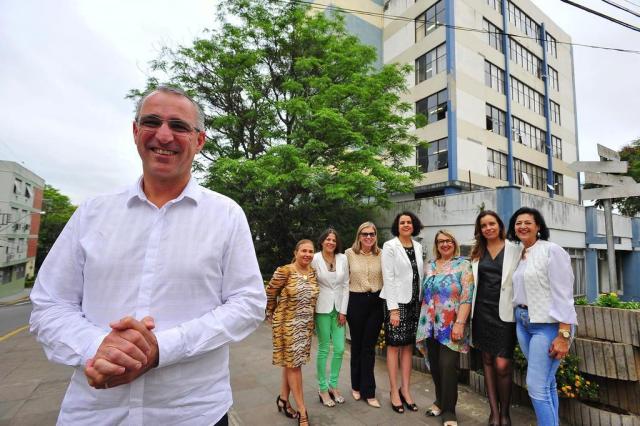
(329,264)
(305,275)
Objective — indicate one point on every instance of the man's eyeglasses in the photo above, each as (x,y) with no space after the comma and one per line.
(153,122)
(443,242)
(368,234)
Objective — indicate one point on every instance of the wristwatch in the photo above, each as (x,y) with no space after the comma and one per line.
(564,333)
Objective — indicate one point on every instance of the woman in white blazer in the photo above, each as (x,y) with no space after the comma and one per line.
(402,271)
(332,272)
(493,330)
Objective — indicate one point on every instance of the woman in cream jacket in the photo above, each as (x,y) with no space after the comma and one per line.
(493,324)
(402,271)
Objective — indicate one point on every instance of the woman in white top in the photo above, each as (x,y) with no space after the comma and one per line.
(543,296)
(402,270)
(331,313)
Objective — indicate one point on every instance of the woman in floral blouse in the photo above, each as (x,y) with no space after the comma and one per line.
(446,304)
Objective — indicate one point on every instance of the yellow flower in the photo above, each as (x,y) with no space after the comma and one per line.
(612,294)
(588,383)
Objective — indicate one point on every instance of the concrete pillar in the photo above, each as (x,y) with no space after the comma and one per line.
(591,266)
(631,264)
(508,200)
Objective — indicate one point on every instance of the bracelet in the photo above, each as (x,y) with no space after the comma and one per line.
(461,322)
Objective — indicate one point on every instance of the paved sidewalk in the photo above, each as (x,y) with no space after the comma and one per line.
(31,390)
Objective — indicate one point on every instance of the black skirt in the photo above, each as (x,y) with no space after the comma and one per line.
(405,333)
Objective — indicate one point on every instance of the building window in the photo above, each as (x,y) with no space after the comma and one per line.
(434,107)
(552,46)
(556,143)
(494,35)
(5,275)
(431,63)
(495,120)
(496,164)
(20,269)
(526,96)
(493,76)
(553,79)
(429,21)
(578,266)
(529,175)
(27,191)
(434,156)
(17,186)
(554,110)
(495,4)
(528,135)
(558,186)
(522,21)
(525,58)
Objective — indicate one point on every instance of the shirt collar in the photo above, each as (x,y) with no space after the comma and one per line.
(191,191)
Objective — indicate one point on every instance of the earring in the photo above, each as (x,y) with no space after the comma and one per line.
(538,234)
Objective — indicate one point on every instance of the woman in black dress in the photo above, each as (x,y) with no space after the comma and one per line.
(493,324)
(402,270)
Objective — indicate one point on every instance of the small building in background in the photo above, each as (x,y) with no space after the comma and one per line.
(20,209)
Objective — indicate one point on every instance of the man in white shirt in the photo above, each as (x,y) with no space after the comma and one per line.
(145,287)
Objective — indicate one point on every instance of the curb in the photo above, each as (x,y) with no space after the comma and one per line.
(15,302)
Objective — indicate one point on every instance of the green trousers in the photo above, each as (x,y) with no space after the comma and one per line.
(329,332)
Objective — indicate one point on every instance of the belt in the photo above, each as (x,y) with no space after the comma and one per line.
(523,307)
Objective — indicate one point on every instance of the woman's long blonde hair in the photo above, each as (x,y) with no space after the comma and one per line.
(357,247)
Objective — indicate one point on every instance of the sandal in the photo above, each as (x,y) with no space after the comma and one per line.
(433,411)
(397,408)
(285,407)
(450,423)
(412,406)
(355,394)
(326,402)
(303,420)
(333,393)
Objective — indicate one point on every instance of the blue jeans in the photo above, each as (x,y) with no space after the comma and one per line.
(535,340)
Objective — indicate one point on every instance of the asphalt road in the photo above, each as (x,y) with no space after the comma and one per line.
(14,316)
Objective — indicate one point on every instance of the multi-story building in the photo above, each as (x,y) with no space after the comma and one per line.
(20,208)
(494,82)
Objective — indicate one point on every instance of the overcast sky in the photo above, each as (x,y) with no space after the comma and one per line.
(66,66)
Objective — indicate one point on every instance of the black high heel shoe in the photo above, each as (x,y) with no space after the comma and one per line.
(303,420)
(397,408)
(285,407)
(412,407)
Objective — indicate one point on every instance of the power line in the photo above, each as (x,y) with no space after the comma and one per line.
(630,2)
(407,19)
(602,15)
(622,7)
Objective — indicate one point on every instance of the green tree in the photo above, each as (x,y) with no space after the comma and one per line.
(630,206)
(302,129)
(58,209)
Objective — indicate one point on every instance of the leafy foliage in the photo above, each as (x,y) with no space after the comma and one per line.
(569,381)
(302,130)
(58,209)
(630,206)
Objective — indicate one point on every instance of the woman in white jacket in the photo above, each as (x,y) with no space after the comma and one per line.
(402,271)
(332,272)
(493,330)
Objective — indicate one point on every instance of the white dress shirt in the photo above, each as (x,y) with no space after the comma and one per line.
(190,265)
(334,286)
(544,282)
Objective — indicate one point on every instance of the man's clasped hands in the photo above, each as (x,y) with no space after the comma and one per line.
(127,352)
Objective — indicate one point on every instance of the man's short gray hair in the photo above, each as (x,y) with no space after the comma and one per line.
(175,91)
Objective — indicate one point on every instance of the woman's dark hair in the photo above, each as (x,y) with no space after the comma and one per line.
(324,236)
(480,245)
(538,219)
(417,225)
